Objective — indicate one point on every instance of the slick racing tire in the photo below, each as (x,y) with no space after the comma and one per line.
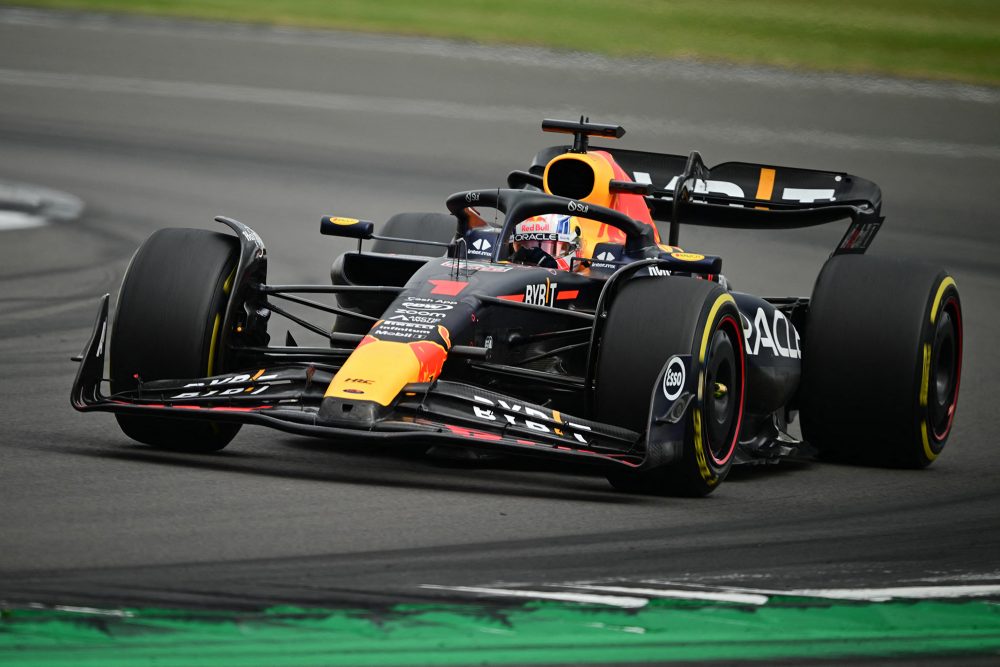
(438,227)
(881,361)
(650,320)
(167,325)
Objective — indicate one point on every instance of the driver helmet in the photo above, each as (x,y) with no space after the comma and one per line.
(550,234)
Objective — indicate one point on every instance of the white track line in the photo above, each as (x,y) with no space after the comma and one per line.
(863,594)
(583,598)
(24,206)
(121,613)
(93,610)
(634,597)
(906,592)
(10,220)
(676,593)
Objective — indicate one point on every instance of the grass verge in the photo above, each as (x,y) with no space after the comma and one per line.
(958,40)
(535,633)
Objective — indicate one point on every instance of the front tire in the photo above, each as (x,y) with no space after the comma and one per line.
(167,326)
(881,361)
(650,320)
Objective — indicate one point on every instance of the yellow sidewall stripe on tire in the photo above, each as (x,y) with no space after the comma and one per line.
(723,298)
(227,287)
(213,343)
(945,284)
(699,452)
(699,444)
(926,372)
(925,376)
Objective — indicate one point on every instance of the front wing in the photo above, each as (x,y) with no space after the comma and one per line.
(289,397)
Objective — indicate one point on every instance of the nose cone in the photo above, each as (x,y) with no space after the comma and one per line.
(378,370)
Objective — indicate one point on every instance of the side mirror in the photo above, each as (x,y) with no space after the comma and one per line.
(350,228)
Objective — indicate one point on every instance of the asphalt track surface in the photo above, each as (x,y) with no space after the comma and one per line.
(159,124)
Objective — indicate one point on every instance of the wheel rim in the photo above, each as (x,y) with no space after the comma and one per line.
(723,391)
(946,367)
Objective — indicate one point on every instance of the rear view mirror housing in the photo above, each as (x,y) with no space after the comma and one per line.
(350,228)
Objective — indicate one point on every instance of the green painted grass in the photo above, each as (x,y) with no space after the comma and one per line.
(533,633)
(959,39)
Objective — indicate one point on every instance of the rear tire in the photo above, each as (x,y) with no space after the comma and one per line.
(438,227)
(650,320)
(167,326)
(881,361)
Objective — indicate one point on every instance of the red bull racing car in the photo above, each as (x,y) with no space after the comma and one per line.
(548,318)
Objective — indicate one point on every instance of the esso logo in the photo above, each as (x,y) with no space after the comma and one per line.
(673,378)
(576,207)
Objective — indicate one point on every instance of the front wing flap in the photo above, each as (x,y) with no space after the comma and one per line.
(288,397)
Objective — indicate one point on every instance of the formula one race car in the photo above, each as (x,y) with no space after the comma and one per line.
(549,319)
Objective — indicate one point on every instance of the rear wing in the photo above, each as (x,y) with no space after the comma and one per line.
(745,195)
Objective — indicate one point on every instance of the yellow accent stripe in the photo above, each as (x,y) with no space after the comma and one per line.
(213,342)
(926,371)
(257,374)
(928,452)
(699,450)
(723,298)
(765,186)
(925,376)
(226,288)
(924,389)
(228,285)
(947,282)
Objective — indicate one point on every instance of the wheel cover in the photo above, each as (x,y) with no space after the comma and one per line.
(724,367)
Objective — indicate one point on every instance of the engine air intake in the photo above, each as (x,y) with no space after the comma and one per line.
(570,178)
